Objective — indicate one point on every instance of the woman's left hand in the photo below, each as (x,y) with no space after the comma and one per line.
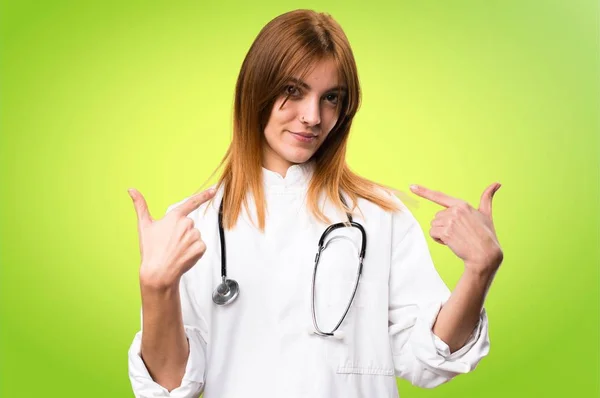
(468,232)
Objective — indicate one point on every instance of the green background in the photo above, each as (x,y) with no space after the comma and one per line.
(97,97)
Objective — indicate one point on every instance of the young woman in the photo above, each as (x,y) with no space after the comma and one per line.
(248,291)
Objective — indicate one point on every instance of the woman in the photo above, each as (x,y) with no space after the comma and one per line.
(284,181)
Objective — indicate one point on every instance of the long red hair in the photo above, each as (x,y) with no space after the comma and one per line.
(287,47)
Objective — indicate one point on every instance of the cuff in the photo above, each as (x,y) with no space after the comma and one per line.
(444,350)
(435,353)
(192,383)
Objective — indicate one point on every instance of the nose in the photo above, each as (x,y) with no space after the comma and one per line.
(311,113)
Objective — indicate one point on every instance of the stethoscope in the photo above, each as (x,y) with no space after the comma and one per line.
(228,290)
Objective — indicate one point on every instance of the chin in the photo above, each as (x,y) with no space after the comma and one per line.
(299,157)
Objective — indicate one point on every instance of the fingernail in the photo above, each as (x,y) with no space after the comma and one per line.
(212,191)
(414,187)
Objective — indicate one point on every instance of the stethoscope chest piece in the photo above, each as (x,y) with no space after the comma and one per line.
(226,292)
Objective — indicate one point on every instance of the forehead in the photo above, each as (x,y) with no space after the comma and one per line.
(321,74)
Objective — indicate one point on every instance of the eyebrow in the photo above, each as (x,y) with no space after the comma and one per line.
(307,87)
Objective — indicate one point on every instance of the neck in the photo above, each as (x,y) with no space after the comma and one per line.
(276,164)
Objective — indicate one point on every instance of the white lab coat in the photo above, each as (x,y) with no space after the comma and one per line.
(260,345)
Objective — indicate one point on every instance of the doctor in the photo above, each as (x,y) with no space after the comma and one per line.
(369,307)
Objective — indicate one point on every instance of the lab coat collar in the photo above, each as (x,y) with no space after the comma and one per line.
(297,176)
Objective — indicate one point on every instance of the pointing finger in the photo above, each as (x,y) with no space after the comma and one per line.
(435,196)
(194,202)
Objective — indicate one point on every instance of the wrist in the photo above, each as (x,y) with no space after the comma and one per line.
(486,268)
(152,282)
(478,275)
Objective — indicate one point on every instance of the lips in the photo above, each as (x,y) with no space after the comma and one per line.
(307,135)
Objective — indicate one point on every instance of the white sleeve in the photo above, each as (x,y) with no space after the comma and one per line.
(196,330)
(192,384)
(417,294)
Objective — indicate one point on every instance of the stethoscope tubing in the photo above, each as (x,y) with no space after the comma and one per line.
(228,290)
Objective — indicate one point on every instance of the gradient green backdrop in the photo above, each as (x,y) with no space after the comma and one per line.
(97,97)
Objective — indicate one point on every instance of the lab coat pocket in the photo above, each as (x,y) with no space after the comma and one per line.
(362,346)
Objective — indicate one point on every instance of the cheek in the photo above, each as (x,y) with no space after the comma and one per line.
(283,115)
(273,124)
(330,117)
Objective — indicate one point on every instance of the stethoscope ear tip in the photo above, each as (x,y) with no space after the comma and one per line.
(339,334)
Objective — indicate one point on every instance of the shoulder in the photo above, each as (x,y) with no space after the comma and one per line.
(206,209)
(401,220)
(396,198)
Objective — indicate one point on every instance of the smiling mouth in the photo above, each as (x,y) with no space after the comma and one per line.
(307,135)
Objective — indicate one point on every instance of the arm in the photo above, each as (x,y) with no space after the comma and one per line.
(167,358)
(417,294)
(460,314)
(146,380)
(471,235)
(165,347)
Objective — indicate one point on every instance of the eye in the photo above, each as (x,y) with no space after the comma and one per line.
(291,90)
(332,98)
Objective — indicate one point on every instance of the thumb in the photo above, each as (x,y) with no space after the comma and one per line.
(141,208)
(485,204)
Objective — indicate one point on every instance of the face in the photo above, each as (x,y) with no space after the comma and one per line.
(298,127)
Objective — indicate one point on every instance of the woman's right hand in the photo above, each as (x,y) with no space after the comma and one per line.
(169,247)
